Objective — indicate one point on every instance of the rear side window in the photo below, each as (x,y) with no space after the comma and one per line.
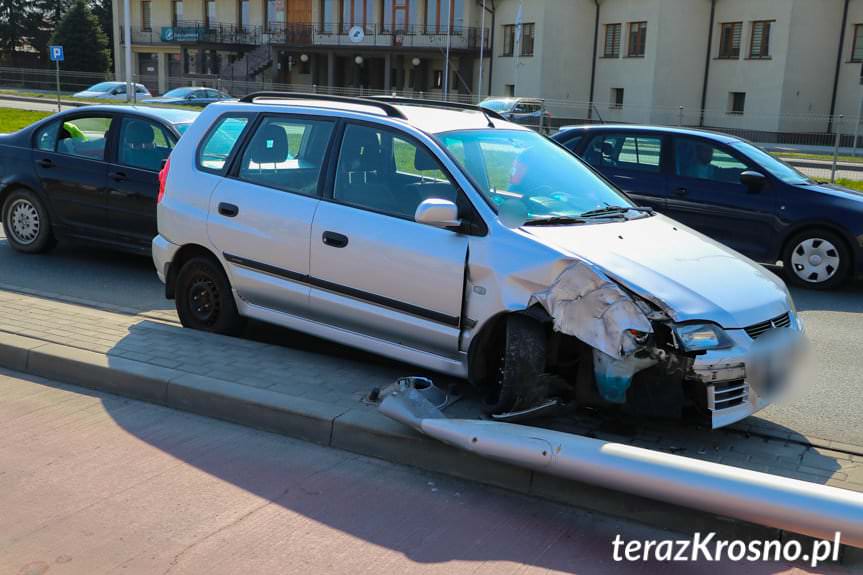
(286,154)
(143,144)
(220,142)
(572,143)
(625,151)
(84,137)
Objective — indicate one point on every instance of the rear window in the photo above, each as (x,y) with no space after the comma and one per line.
(220,142)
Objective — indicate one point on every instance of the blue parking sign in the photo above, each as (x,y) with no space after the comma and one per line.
(56,53)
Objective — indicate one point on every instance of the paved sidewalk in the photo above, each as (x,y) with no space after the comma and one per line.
(338,385)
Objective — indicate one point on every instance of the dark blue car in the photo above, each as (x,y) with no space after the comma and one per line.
(734,192)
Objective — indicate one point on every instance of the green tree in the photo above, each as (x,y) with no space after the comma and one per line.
(102,10)
(84,43)
(42,19)
(13,25)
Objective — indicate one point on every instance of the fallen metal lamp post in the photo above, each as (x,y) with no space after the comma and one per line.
(797,506)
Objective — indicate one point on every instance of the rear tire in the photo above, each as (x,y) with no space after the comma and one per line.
(26,222)
(204,298)
(817,259)
(517,374)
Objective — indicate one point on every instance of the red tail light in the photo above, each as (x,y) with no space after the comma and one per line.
(163,177)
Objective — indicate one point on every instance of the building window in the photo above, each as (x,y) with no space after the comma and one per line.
(759,45)
(442,14)
(243,16)
(275,15)
(356,13)
(398,15)
(527,37)
(616,101)
(612,41)
(509,90)
(146,20)
(210,13)
(729,40)
(176,12)
(508,40)
(736,102)
(637,39)
(330,15)
(857,49)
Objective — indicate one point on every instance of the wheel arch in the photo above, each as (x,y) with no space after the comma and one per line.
(7,188)
(184,254)
(491,330)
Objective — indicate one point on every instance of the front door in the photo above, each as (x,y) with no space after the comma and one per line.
(705,193)
(375,270)
(133,179)
(260,216)
(69,160)
(633,162)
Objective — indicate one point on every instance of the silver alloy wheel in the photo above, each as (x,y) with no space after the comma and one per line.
(24,222)
(815,260)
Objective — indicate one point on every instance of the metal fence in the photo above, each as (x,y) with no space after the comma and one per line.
(823,147)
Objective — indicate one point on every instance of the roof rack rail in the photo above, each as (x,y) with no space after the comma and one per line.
(388,109)
(438,104)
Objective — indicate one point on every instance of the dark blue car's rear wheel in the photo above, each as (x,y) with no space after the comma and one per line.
(26,223)
(816,259)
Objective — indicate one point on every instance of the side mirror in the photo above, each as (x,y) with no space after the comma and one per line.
(754,181)
(438,213)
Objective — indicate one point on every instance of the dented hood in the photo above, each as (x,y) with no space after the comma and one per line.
(691,276)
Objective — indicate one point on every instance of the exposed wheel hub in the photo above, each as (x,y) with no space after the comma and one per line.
(24,222)
(815,260)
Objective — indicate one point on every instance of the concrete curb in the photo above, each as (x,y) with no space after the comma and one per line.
(360,430)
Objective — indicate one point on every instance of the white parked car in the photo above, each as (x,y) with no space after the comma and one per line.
(452,239)
(113,91)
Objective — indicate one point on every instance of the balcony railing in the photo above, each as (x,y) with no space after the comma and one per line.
(462,38)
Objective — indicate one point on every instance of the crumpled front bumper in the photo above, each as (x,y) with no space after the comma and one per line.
(751,374)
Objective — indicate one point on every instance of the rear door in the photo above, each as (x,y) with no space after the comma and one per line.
(133,178)
(374,269)
(70,161)
(705,193)
(633,161)
(260,216)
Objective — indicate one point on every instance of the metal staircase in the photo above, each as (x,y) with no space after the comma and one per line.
(250,64)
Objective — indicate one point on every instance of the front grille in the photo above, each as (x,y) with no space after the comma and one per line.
(727,394)
(758,329)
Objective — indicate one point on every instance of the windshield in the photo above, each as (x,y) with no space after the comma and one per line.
(103,87)
(773,165)
(497,105)
(178,92)
(521,172)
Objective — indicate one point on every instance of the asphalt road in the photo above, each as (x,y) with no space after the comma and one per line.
(829,405)
(92,483)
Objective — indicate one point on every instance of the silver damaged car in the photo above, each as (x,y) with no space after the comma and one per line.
(447,237)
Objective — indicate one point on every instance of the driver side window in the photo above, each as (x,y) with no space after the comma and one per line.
(703,160)
(384,172)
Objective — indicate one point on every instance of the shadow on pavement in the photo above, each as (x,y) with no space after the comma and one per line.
(428,518)
(848,298)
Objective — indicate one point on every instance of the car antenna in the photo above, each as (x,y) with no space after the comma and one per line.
(488,119)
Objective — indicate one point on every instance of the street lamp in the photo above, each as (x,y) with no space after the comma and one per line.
(359,60)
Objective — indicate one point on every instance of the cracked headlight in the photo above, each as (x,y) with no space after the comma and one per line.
(702,336)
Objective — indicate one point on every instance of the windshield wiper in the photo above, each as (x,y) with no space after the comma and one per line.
(554,221)
(614,210)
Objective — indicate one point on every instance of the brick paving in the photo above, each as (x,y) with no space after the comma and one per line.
(341,381)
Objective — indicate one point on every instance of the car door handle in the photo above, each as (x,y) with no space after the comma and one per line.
(335,240)
(228,210)
(46,163)
(121,193)
(118,176)
(681,192)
